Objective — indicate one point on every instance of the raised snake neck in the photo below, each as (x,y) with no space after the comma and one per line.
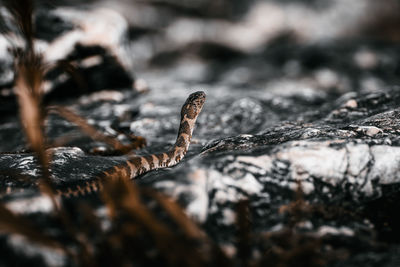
(138,165)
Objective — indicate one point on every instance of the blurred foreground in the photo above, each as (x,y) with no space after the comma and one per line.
(293,162)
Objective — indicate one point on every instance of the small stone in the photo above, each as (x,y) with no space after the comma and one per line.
(351,104)
(140,85)
(326,78)
(366,59)
(372,131)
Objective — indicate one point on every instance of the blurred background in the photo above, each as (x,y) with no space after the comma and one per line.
(338,44)
(274,72)
(335,45)
(252,58)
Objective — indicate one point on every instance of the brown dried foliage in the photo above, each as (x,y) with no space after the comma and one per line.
(22,11)
(135,229)
(289,247)
(11,223)
(123,198)
(30,72)
(95,134)
(28,85)
(72,70)
(244,236)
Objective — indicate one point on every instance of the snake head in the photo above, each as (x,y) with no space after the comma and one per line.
(193,105)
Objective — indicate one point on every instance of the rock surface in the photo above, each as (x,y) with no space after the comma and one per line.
(322,117)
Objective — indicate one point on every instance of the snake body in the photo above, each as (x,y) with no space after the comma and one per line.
(139,165)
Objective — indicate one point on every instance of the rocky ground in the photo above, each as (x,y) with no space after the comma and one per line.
(295,113)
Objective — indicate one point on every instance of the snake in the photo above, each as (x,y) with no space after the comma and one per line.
(138,165)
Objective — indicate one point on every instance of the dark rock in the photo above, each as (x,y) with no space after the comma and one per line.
(76,64)
(96,69)
(49,26)
(307,134)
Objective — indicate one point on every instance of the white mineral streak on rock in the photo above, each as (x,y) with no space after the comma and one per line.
(263,162)
(41,203)
(102,26)
(305,225)
(250,184)
(223,183)
(62,46)
(257,165)
(51,257)
(315,159)
(4,45)
(23,162)
(358,157)
(228,217)
(24,165)
(198,208)
(197,188)
(329,230)
(145,127)
(230,190)
(247,135)
(358,164)
(386,165)
(333,162)
(306,187)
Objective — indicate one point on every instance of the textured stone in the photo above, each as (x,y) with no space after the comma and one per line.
(290,114)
